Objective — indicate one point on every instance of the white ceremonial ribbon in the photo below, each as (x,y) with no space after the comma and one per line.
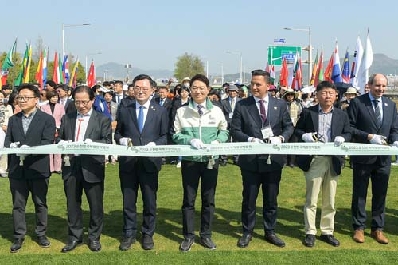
(209,150)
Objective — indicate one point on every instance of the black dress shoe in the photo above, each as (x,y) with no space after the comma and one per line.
(43,241)
(309,241)
(186,244)
(331,240)
(16,245)
(94,245)
(244,241)
(273,239)
(207,243)
(71,245)
(126,243)
(147,242)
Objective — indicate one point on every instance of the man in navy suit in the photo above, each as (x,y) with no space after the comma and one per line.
(84,172)
(30,173)
(142,123)
(373,119)
(324,123)
(255,119)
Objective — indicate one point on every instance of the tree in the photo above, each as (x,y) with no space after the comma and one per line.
(188,65)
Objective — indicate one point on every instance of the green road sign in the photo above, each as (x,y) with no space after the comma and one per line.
(277,53)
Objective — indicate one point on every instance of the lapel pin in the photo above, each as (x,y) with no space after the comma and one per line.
(275,108)
(386,104)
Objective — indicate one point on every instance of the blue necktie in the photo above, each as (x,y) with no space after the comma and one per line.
(141,118)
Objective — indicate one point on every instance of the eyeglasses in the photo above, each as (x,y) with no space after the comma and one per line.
(82,102)
(142,89)
(195,88)
(20,98)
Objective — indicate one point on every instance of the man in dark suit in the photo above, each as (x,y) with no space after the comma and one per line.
(29,173)
(323,123)
(163,100)
(143,122)
(62,91)
(255,119)
(84,172)
(228,106)
(118,92)
(373,119)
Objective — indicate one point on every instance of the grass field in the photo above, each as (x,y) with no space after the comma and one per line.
(226,229)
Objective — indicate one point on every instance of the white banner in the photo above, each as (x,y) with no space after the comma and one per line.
(218,149)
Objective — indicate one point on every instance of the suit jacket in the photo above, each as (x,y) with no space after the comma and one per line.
(308,123)
(59,111)
(226,108)
(66,103)
(114,107)
(114,97)
(155,130)
(166,103)
(246,122)
(41,131)
(363,122)
(98,130)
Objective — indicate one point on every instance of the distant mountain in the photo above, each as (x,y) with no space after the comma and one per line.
(381,64)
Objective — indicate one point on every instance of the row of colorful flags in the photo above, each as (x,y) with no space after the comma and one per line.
(357,75)
(60,73)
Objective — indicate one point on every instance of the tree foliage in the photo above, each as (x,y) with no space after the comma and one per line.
(188,65)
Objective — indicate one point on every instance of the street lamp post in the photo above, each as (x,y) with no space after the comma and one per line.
(63,33)
(309,49)
(241,64)
(96,53)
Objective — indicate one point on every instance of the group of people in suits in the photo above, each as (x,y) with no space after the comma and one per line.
(258,119)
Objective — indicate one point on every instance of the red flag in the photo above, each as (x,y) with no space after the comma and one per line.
(56,69)
(91,76)
(283,74)
(39,71)
(329,69)
(297,82)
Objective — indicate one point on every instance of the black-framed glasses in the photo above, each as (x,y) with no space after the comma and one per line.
(82,102)
(23,99)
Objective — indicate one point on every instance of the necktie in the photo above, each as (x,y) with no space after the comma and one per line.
(161,102)
(200,111)
(78,128)
(141,118)
(232,104)
(263,115)
(377,112)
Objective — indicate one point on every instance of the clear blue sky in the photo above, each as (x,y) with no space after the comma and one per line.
(152,34)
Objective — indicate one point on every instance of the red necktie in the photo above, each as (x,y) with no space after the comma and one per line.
(78,128)
(262,111)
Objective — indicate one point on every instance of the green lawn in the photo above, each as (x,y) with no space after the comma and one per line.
(227,227)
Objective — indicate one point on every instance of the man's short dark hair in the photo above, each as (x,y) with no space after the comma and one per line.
(84,89)
(31,87)
(51,83)
(144,77)
(200,77)
(106,83)
(120,82)
(325,84)
(62,86)
(263,73)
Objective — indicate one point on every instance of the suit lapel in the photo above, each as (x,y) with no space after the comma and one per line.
(253,111)
(315,117)
(20,123)
(131,109)
(90,126)
(35,120)
(72,125)
(369,106)
(271,108)
(149,116)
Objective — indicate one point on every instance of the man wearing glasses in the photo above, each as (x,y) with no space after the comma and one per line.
(257,119)
(141,123)
(84,172)
(29,173)
(322,123)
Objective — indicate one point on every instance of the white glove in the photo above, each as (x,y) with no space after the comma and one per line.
(88,141)
(24,146)
(14,145)
(62,142)
(124,141)
(338,140)
(196,143)
(395,144)
(308,137)
(377,139)
(150,144)
(257,141)
(275,140)
(215,142)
